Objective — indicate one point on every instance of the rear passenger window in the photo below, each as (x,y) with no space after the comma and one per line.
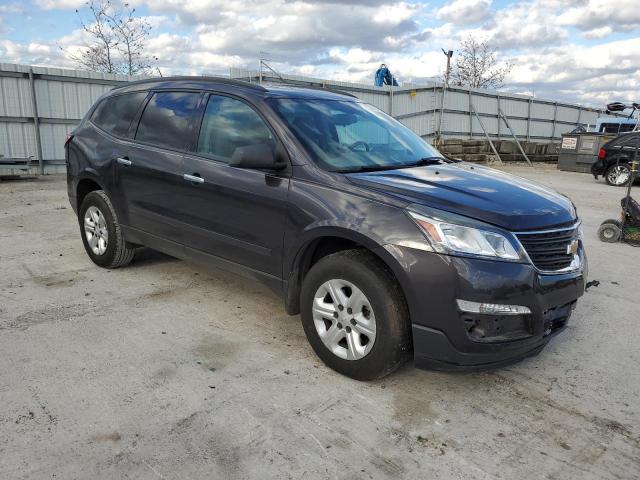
(228,124)
(165,120)
(114,114)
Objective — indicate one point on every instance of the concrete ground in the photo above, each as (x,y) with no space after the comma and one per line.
(163,370)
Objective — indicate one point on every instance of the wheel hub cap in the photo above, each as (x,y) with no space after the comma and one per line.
(344,319)
(619,175)
(95,230)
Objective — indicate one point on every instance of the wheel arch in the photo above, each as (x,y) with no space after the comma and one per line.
(88,181)
(326,241)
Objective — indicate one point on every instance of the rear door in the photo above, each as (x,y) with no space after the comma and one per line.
(233,213)
(150,176)
(109,140)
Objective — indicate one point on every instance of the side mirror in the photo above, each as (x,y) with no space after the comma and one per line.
(258,156)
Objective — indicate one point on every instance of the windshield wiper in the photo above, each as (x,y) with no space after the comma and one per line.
(425,161)
(371,168)
(418,163)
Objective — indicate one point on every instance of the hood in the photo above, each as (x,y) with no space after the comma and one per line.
(474,191)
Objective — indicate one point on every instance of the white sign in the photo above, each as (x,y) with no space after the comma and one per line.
(569,143)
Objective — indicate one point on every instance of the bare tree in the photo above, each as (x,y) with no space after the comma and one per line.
(99,54)
(476,65)
(117,39)
(131,33)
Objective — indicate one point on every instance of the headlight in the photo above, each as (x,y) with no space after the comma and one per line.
(452,238)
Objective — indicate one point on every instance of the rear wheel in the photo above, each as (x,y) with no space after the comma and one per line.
(618,175)
(610,231)
(101,233)
(355,316)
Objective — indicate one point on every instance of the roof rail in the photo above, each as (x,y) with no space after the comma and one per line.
(291,83)
(214,79)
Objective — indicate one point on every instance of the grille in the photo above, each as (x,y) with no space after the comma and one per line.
(548,250)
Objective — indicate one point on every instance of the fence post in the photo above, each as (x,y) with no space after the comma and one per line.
(498,98)
(555,117)
(444,91)
(36,121)
(529,120)
(470,117)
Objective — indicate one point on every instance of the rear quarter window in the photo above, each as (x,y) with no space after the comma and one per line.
(114,114)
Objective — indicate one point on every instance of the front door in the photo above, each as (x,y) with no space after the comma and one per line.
(233,213)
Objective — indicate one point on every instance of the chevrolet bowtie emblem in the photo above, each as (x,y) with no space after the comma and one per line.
(572,248)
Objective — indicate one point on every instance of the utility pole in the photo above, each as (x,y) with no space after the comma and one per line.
(448,54)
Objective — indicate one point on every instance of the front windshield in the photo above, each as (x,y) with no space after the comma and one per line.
(348,136)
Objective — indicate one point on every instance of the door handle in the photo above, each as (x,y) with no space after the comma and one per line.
(193,178)
(124,161)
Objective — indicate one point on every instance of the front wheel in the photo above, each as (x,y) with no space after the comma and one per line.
(355,316)
(610,231)
(618,175)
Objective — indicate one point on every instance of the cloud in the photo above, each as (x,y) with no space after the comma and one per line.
(348,39)
(621,15)
(594,75)
(523,25)
(61,4)
(596,33)
(465,12)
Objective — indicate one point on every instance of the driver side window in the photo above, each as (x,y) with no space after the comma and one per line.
(228,124)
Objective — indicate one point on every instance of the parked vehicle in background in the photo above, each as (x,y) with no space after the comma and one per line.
(385,247)
(614,159)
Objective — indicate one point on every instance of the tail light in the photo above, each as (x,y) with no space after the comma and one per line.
(601,154)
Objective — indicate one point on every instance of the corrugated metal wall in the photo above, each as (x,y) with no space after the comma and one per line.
(63,96)
(420,107)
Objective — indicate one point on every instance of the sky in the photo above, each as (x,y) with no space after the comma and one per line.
(581,51)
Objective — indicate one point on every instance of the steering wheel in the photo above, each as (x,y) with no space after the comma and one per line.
(354,146)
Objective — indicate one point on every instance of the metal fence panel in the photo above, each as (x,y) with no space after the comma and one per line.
(63,97)
(17,140)
(542,110)
(519,126)
(567,114)
(484,104)
(541,130)
(514,108)
(455,122)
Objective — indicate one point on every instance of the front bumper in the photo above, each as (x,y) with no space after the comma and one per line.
(441,332)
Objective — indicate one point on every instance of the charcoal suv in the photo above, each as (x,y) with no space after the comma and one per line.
(615,157)
(385,247)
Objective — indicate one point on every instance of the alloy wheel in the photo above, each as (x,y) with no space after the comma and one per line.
(344,319)
(95,230)
(619,175)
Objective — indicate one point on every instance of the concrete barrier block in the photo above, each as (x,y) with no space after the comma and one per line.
(529,148)
(507,147)
(452,149)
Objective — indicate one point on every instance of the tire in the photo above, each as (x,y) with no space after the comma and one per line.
(618,175)
(609,231)
(360,355)
(114,252)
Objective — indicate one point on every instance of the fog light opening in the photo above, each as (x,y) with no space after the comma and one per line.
(492,308)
